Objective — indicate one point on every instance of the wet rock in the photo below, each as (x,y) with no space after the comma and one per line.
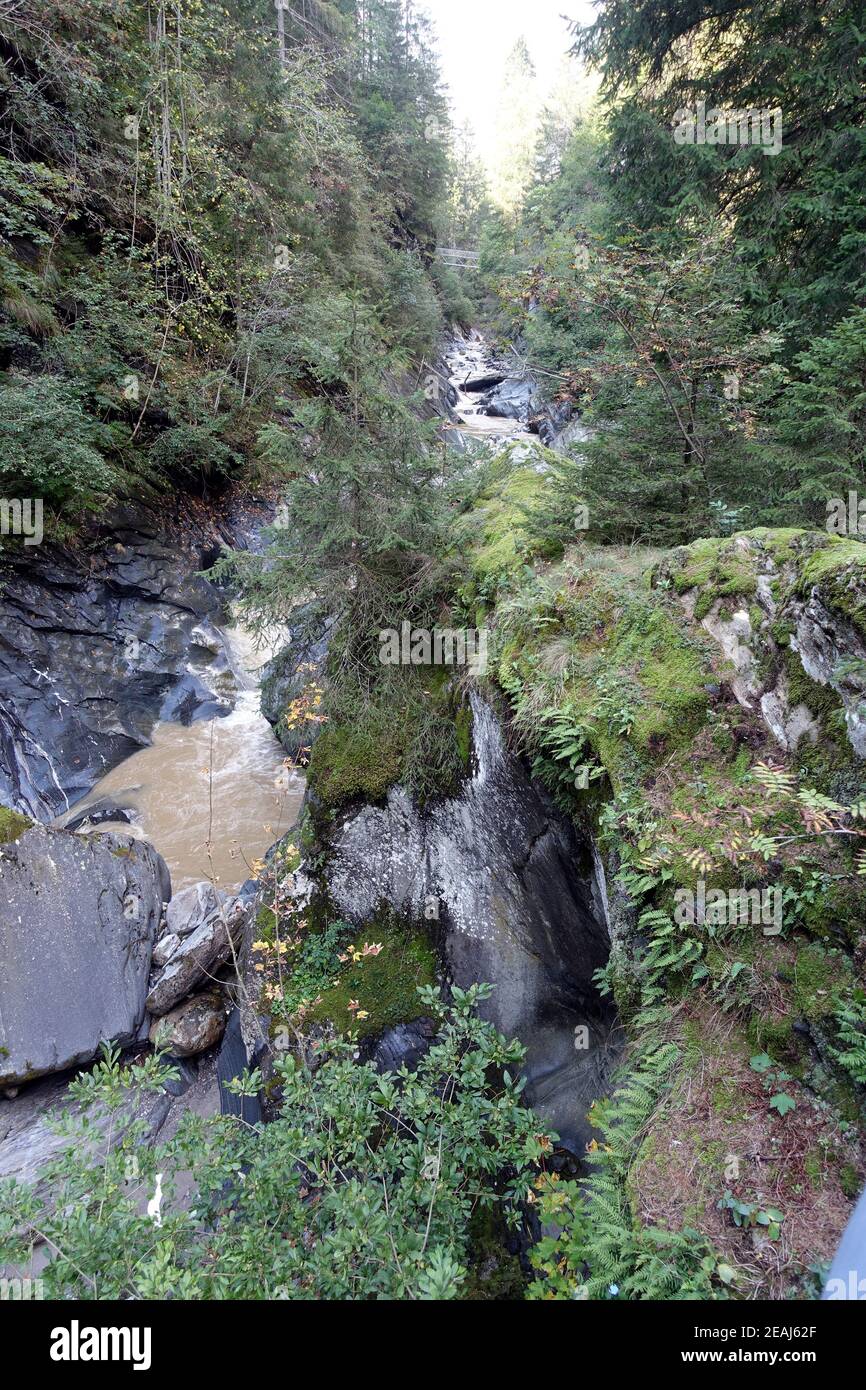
(197,958)
(512,400)
(101,813)
(404,1045)
(93,652)
(484,382)
(193,1027)
(297,666)
(551,421)
(233,1059)
(78,918)
(514,899)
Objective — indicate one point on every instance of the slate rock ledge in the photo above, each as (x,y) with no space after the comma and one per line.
(78,919)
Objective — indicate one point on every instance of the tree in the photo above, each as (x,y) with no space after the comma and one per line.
(516,132)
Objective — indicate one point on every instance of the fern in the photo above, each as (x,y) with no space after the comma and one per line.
(851,1024)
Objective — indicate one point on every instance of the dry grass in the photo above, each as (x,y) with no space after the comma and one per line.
(718,1109)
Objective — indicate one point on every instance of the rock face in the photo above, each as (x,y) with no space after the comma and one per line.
(78,918)
(297,666)
(93,652)
(549,422)
(515,900)
(789,622)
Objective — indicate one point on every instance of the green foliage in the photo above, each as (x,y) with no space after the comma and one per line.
(773,1077)
(168,289)
(850,1049)
(750,1214)
(376,1203)
(50,447)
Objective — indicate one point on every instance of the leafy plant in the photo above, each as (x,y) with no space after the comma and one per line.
(362,1187)
(749,1215)
(774,1077)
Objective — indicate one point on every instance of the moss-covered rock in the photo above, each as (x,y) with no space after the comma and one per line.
(375,991)
(12,824)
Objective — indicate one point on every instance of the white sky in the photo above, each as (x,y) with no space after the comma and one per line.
(475,38)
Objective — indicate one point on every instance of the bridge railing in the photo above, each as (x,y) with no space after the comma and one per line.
(457,256)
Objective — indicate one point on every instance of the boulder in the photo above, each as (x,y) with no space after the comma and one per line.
(191,908)
(164,949)
(197,958)
(512,400)
(194,1026)
(483,383)
(78,918)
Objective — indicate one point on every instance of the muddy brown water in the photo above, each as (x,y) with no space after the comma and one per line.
(212,796)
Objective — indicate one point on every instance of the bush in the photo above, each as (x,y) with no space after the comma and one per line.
(374,1202)
(50,447)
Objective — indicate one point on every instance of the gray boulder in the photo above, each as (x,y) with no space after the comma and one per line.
(193,1027)
(197,958)
(192,908)
(512,400)
(165,949)
(78,918)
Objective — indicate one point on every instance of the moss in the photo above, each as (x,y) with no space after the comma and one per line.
(718,568)
(494,1273)
(822,701)
(839,571)
(673,674)
(463,725)
(499,519)
(773,1033)
(384,986)
(836,913)
(359,761)
(266,924)
(727,1099)
(813,1165)
(819,974)
(366,749)
(12,824)
(849,1180)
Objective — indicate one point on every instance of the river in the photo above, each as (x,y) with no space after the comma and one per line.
(212,796)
